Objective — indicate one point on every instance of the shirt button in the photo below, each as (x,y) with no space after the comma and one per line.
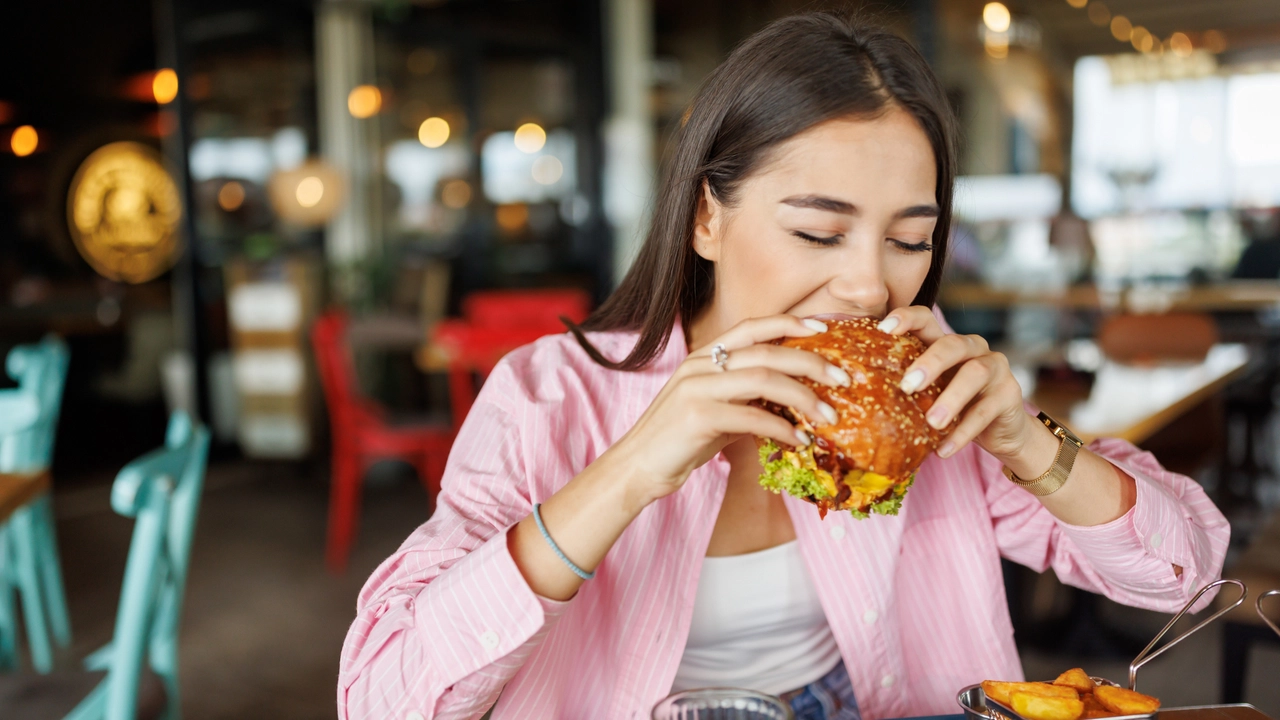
(837,532)
(869,617)
(1156,540)
(887,681)
(415,715)
(489,639)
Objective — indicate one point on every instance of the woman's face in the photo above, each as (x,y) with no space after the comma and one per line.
(839,221)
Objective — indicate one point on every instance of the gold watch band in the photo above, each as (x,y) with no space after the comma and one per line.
(1056,476)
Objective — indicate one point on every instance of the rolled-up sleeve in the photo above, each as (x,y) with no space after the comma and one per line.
(446,621)
(1131,559)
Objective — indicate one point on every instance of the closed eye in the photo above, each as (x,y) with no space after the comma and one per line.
(924,246)
(823,241)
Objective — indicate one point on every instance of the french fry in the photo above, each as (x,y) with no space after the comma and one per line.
(1002,692)
(1126,702)
(1093,710)
(1042,707)
(1077,679)
(998,691)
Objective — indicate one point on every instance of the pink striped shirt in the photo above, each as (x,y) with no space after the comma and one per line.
(447,626)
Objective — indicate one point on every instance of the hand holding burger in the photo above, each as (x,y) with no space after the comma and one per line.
(866,460)
(924,390)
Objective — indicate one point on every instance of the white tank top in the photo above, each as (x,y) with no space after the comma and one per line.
(757,624)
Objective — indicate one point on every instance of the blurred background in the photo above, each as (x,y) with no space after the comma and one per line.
(317,225)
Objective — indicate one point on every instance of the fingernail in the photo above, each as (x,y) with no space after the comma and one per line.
(802,437)
(889,323)
(946,449)
(840,376)
(912,381)
(937,416)
(828,412)
(817,325)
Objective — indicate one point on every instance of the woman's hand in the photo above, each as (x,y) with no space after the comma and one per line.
(703,408)
(982,393)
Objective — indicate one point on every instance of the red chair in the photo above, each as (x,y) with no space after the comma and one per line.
(523,309)
(362,436)
(495,323)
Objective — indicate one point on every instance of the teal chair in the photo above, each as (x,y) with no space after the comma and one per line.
(136,675)
(28,540)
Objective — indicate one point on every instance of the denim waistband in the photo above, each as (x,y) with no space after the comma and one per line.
(828,698)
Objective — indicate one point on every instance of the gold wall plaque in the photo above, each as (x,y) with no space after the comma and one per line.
(123,210)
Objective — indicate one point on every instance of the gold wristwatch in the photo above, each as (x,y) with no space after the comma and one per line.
(1056,476)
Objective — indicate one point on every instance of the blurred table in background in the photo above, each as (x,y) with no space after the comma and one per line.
(1135,402)
(1228,296)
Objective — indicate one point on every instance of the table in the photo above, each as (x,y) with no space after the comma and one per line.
(1226,296)
(1134,403)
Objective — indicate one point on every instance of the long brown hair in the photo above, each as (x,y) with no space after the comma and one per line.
(796,73)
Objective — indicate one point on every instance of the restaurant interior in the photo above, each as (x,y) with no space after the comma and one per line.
(257,258)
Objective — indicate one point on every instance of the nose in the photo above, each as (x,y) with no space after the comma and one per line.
(860,283)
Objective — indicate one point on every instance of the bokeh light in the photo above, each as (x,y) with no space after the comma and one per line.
(547,170)
(24,141)
(1180,44)
(364,101)
(231,196)
(1121,28)
(1099,14)
(1141,39)
(456,194)
(310,191)
(164,86)
(433,132)
(512,218)
(996,17)
(530,137)
(1077,4)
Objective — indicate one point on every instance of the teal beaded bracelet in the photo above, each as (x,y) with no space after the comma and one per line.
(537,517)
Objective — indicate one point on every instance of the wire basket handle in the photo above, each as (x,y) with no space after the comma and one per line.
(1258,604)
(1147,655)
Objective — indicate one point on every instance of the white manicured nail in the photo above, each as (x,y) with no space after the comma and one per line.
(888,324)
(817,325)
(840,376)
(828,412)
(802,437)
(912,381)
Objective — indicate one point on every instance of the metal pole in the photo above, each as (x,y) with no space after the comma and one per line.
(629,132)
(187,304)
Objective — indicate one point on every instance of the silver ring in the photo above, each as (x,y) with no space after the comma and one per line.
(720,356)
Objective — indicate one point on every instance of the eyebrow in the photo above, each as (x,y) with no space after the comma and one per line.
(818,202)
(829,204)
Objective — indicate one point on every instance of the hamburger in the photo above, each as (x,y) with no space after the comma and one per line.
(865,462)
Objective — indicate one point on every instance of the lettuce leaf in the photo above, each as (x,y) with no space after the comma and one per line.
(781,476)
(891,504)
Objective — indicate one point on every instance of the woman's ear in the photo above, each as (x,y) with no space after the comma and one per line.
(707,222)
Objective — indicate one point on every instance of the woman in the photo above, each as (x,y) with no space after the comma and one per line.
(813,177)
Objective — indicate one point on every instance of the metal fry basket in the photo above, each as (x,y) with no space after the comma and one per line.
(977,706)
(1258,605)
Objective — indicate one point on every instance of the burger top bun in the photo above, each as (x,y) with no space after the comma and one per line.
(881,428)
